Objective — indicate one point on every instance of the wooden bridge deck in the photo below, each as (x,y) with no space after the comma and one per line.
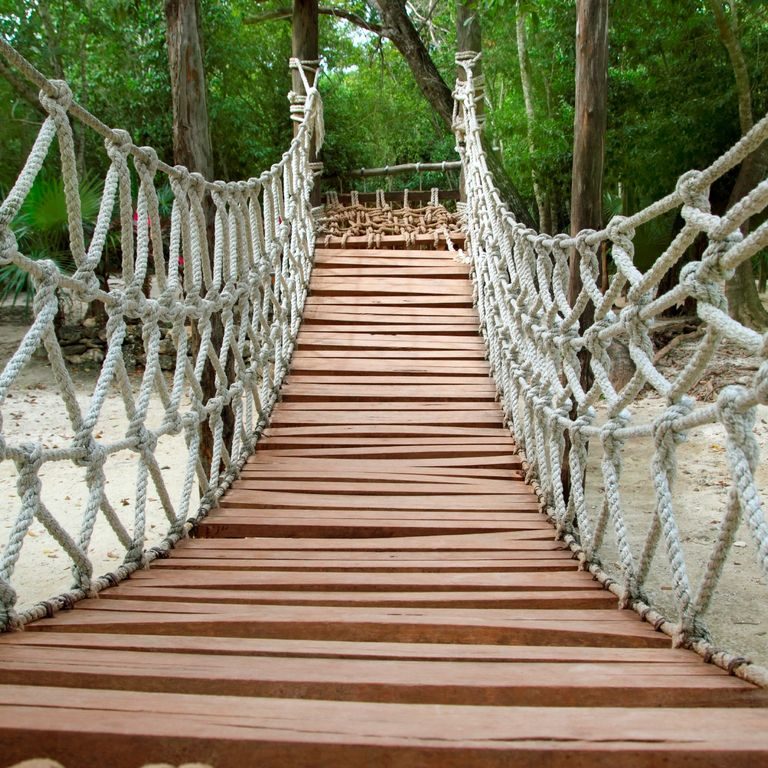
(378,589)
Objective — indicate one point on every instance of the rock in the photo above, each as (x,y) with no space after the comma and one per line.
(73,349)
(94,355)
(69,333)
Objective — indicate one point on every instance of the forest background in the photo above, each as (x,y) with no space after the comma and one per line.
(673,101)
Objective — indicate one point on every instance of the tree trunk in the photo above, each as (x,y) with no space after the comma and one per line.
(744,302)
(526,80)
(588,152)
(398,28)
(304,46)
(589,121)
(468,38)
(192,148)
(191,133)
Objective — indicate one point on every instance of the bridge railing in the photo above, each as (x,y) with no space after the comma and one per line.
(247,274)
(534,342)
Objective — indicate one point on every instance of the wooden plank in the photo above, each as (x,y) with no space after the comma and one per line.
(366,582)
(305,364)
(244,647)
(445,301)
(469,683)
(520,626)
(273,732)
(441,271)
(385,488)
(391,241)
(518,496)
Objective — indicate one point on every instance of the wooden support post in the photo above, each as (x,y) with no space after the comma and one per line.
(304,46)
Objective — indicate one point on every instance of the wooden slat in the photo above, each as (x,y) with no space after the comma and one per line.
(379,587)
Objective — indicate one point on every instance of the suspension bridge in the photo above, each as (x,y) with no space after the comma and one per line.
(387,566)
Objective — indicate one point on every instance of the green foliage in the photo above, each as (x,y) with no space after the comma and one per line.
(672,103)
(41,229)
(378,116)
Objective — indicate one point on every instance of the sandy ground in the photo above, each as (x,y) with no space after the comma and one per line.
(35,410)
(738,619)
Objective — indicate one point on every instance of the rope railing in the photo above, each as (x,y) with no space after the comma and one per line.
(250,275)
(534,342)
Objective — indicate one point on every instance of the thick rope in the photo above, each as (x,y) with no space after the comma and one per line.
(254,283)
(533,337)
(387,219)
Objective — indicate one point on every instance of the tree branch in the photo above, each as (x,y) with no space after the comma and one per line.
(22,88)
(339,13)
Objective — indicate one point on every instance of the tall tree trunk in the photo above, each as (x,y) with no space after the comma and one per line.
(304,46)
(589,124)
(398,28)
(468,38)
(526,79)
(744,302)
(192,148)
(588,153)
(191,132)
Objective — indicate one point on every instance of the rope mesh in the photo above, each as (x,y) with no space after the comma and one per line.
(384,218)
(249,277)
(534,339)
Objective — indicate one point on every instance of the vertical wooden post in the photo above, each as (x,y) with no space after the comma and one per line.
(468,38)
(304,46)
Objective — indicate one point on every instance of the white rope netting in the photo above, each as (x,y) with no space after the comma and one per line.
(534,339)
(249,276)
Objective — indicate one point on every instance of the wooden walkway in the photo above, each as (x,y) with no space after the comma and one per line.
(378,589)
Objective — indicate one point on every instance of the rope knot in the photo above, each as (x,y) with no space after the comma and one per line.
(703,283)
(47,282)
(147,159)
(608,435)
(197,182)
(118,144)
(665,431)
(146,440)
(620,230)
(692,194)
(180,179)
(8,244)
(739,423)
(58,101)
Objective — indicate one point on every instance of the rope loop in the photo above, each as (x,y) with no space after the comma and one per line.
(59,101)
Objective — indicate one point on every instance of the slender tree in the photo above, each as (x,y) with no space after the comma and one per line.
(192,148)
(743,299)
(526,80)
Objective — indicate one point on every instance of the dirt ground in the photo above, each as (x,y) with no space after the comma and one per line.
(739,616)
